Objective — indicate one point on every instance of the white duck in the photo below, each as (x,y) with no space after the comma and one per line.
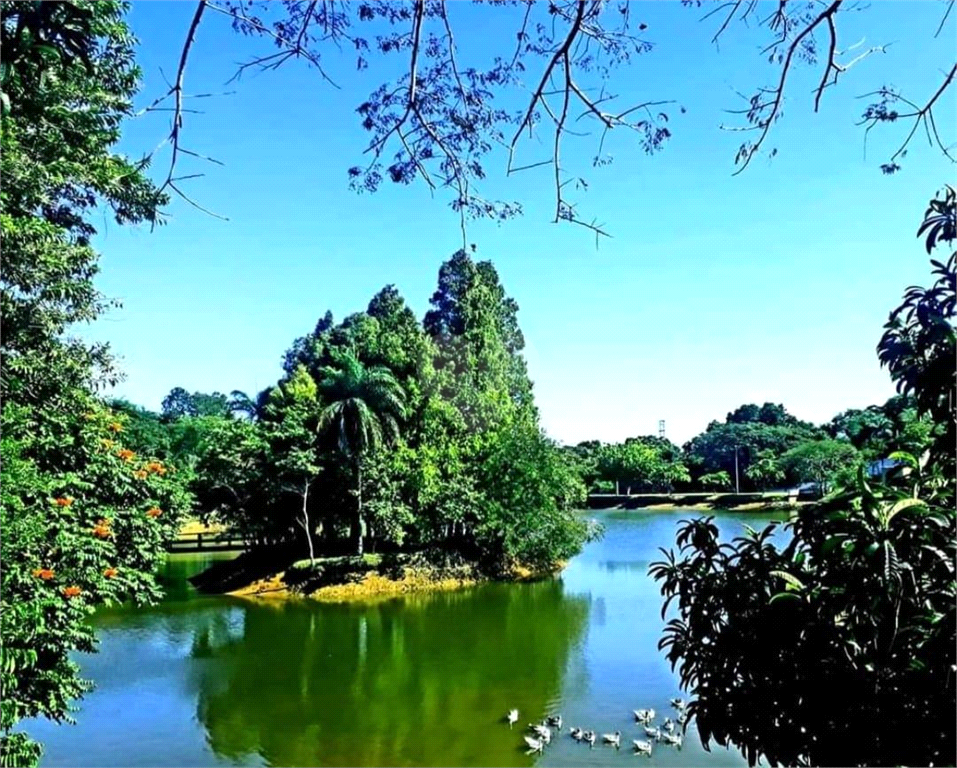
(652,733)
(679,704)
(669,725)
(541,731)
(589,736)
(534,745)
(612,738)
(512,717)
(673,739)
(555,721)
(642,747)
(644,715)
(576,733)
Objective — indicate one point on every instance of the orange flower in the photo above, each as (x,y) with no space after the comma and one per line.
(116,427)
(154,512)
(140,474)
(71,591)
(126,454)
(110,573)
(43,573)
(157,467)
(108,443)
(102,529)
(63,501)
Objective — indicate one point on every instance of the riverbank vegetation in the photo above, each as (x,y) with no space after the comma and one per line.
(824,650)
(387,435)
(84,515)
(760,448)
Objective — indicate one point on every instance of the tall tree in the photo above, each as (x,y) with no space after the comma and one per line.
(819,461)
(474,324)
(732,447)
(84,517)
(292,433)
(362,409)
(179,403)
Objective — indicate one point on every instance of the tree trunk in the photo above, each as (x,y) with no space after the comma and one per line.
(305,523)
(358,523)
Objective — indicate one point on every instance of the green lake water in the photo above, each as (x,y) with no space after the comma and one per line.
(421,680)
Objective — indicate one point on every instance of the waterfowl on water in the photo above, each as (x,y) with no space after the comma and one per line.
(534,745)
(679,704)
(644,715)
(554,720)
(642,747)
(682,718)
(542,731)
(576,733)
(512,717)
(673,739)
(589,736)
(669,725)
(653,733)
(612,738)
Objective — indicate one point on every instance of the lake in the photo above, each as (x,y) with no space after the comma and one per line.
(421,680)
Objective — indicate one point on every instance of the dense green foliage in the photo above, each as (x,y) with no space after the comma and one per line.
(639,464)
(751,434)
(84,517)
(839,647)
(389,433)
(774,450)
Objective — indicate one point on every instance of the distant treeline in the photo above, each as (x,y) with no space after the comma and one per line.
(773,449)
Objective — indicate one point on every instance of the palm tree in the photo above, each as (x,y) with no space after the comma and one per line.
(364,405)
(240,402)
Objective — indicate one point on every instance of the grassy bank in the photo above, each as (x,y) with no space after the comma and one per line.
(351,578)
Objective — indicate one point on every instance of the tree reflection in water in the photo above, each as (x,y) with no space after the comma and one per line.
(424,680)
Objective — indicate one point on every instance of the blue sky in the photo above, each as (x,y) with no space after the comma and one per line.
(713,291)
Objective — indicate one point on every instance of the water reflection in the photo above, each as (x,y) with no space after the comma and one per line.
(334,685)
(205,680)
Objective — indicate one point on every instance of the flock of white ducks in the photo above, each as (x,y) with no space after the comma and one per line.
(541,733)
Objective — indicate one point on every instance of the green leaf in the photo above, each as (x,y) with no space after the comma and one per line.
(784,596)
(904,456)
(792,581)
(900,506)
(831,544)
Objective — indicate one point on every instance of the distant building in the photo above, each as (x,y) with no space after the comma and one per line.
(881,467)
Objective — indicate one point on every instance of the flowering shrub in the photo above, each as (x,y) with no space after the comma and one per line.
(67,535)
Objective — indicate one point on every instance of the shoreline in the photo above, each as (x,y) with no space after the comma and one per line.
(710,507)
(767,501)
(351,578)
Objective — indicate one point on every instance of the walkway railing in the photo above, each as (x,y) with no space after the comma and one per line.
(220,541)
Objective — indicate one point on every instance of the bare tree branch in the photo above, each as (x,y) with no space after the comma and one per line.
(884,112)
(950,7)
(926,115)
(290,50)
(764,122)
